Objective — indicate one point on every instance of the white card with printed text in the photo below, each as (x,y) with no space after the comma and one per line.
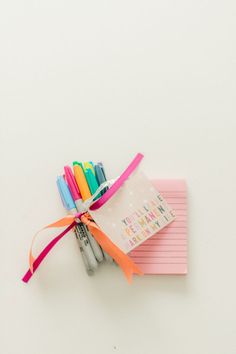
(134,213)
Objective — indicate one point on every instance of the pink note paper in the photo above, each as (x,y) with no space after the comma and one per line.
(166,251)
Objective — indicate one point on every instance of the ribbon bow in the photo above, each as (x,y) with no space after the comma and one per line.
(126,264)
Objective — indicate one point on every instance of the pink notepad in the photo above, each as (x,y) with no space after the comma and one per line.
(166,251)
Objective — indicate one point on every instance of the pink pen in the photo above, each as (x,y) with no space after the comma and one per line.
(74,189)
(79,206)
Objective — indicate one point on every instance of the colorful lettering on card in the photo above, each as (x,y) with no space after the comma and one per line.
(135,212)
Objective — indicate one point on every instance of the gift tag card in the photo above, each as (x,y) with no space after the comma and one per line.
(135,212)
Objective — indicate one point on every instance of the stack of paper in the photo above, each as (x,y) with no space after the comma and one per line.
(166,251)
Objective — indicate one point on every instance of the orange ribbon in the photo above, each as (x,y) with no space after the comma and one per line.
(67,220)
(126,264)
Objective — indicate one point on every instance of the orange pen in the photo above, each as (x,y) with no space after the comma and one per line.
(81,181)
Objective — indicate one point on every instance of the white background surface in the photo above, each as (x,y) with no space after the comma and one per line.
(103,80)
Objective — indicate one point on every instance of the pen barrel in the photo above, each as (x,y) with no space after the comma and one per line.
(95,246)
(89,270)
(107,257)
(85,244)
(80,205)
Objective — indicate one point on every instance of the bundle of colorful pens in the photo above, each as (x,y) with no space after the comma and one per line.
(75,187)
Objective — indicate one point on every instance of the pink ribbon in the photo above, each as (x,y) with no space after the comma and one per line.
(45,251)
(118,183)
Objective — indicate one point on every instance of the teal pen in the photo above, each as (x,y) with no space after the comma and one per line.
(92,182)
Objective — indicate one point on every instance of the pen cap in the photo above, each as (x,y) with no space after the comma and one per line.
(72,183)
(79,164)
(65,193)
(99,174)
(100,177)
(60,192)
(89,165)
(81,181)
(103,171)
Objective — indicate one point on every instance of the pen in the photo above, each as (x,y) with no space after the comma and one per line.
(89,164)
(99,172)
(77,236)
(92,181)
(75,193)
(81,180)
(100,175)
(102,167)
(79,206)
(71,208)
(83,187)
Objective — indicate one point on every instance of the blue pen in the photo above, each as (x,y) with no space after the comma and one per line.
(84,244)
(102,167)
(65,194)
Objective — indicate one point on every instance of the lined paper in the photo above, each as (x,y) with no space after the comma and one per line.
(166,251)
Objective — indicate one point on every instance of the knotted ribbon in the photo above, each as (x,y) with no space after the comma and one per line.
(126,264)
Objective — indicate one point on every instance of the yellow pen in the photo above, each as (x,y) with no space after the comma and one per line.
(90,166)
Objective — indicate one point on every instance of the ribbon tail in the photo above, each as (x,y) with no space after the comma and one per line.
(59,223)
(44,253)
(67,220)
(126,264)
(31,262)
